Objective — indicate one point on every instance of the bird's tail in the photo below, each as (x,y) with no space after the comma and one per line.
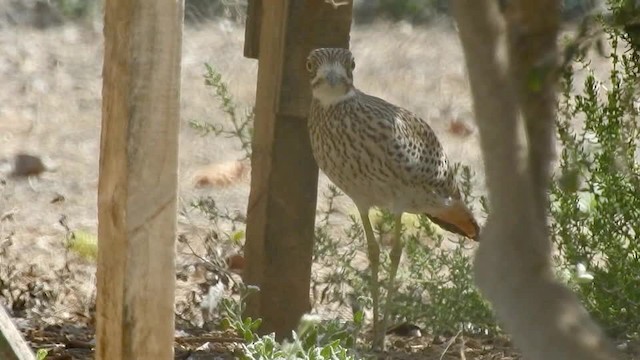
(457,219)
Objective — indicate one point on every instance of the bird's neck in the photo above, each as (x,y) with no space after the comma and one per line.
(329,98)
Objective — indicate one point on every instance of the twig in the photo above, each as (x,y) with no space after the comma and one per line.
(336,4)
(449,343)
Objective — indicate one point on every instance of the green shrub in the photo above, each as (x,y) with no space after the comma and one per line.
(313,340)
(595,202)
(436,288)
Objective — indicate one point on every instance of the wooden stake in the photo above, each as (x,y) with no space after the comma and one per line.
(138,179)
(282,203)
(12,345)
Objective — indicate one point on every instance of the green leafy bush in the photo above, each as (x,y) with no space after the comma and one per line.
(313,340)
(436,288)
(595,202)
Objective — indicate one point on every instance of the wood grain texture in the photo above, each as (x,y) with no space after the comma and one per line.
(138,179)
(12,344)
(252,29)
(282,203)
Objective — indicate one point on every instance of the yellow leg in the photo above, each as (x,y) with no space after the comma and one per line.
(396,254)
(374,265)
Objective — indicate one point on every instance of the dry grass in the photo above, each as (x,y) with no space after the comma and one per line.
(50,107)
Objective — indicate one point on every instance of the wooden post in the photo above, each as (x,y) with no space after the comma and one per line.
(12,345)
(284,179)
(138,179)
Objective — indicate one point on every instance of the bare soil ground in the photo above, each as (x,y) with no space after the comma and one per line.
(50,103)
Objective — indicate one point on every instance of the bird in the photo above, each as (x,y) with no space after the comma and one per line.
(380,155)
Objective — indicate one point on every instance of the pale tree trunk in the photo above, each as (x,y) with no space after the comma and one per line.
(512,61)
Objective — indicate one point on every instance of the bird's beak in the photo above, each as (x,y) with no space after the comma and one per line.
(332,78)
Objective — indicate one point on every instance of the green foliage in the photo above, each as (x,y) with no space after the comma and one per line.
(436,283)
(77,9)
(41,354)
(595,203)
(84,244)
(443,297)
(232,312)
(267,348)
(314,339)
(240,124)
(624,16)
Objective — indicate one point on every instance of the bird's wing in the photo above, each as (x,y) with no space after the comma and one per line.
(421,159)
(411,147)
(418,159)
(426,163)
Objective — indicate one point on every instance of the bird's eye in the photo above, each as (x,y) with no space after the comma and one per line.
(309,66)
(353,64)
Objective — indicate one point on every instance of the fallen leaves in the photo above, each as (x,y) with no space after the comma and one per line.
(221,175)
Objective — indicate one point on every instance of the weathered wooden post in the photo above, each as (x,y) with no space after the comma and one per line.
(12,345)
(284,178)
(138,179)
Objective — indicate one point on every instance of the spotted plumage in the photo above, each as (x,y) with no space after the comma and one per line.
(378,153)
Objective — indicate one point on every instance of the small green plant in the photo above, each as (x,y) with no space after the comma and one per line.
(77,9)
(436,284)
(233,310)
(315,333)
(314,339)
(41,354)
(240,123)
(267,348)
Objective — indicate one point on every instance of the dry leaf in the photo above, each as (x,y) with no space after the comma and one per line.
(220,175)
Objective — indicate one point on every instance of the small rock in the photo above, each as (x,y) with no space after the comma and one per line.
(204,347)
(406,330)
(623,346)
(27,165)
(8,216)
(58,198)
(439,339)
(180,333)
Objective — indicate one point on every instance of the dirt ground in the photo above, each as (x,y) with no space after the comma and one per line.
(50,103)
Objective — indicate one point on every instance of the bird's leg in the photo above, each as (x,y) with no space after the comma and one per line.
(374,263)
(396,254)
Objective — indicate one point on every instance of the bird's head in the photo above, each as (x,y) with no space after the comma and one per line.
(331,74)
